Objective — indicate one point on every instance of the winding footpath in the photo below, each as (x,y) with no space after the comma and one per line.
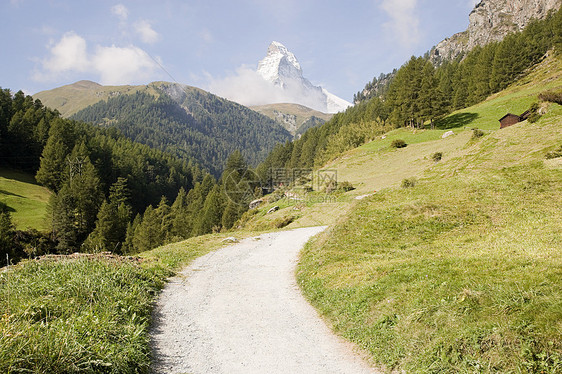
(239,310)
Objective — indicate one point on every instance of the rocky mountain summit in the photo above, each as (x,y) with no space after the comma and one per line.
(492,20)
(282,69)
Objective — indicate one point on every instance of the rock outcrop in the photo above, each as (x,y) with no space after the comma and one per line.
(492,20)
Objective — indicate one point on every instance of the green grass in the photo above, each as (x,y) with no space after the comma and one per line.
(77,315)
(27,201)
(87,314)
(460,273)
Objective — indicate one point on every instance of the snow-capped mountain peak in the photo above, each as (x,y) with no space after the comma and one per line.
(278,64)
(281,68)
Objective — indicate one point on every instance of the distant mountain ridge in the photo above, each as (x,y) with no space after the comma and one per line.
(492,20)
(295,118)
(282,69)
(183,120)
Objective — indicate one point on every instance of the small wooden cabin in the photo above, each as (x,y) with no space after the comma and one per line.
(511,119)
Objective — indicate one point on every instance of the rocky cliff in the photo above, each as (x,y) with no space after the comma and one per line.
(492,20)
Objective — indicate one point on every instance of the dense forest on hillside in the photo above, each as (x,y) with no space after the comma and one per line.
(420,94)
(109,193)
(193,124)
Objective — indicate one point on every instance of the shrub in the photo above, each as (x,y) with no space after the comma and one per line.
(477,133)
(534,117)
(281,222)
(437,156)
(345,186)
(409,182)
(551,96)
(554,154)
(398,143)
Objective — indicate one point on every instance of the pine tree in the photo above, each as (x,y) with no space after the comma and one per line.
(211,215)
(53,165)
(6,236)
(148,233)
(230,215)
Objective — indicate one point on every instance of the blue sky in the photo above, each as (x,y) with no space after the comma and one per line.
(340,45)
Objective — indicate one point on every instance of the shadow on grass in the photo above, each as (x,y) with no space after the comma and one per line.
(4,192)
(5,208)
(456,120)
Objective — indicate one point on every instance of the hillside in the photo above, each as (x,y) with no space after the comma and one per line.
(26,200)
(450,265)
(72,98)
(294,118)
(185,121)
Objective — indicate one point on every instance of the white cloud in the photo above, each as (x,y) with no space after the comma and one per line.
(146,32)
(247,87)
(68,54)
(404,22)
(120,11)
(118,65)
(113,65)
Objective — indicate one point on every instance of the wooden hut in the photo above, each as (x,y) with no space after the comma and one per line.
(509,120)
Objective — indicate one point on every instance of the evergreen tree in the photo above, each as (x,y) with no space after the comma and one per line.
(148,233)
(6,235)
(53,165)
(211,217)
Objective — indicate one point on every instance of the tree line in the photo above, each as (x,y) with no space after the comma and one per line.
(109,192)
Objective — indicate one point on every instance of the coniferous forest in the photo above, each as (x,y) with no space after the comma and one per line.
(109,193)
(192,124)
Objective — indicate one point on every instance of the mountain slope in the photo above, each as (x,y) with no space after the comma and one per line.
(184,120)
(294,118)
(281,68)
(72,98)
(492,20)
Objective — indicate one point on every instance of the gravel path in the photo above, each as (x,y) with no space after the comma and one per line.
(239,310)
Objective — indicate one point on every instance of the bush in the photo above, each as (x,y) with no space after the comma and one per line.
(281,222)
(409,182)
(398,143)
(551,96)
(554,154)
(345,186)
(437,156)
(534,117)
(477,133)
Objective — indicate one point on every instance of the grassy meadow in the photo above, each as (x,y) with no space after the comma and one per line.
(26,200)
(460,273)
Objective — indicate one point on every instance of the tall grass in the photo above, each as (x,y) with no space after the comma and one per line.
(77,315)
(87,314)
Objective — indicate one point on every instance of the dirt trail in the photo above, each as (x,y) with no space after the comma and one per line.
(239,310)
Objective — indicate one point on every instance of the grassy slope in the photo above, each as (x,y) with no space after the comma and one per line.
(87,314)
(376,166)
(462,272)
(301,112)
(26,200)
(72,98)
